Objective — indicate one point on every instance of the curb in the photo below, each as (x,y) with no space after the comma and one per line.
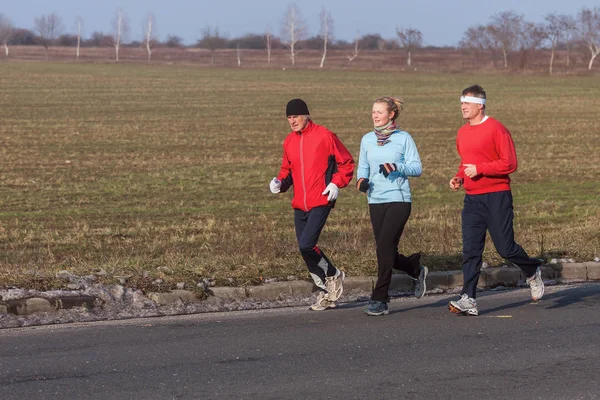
(441,281)
(40,304)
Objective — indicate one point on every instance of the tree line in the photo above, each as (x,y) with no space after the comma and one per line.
(507,35)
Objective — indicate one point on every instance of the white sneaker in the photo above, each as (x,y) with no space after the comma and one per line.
(465,305)
(536,285)
(322,303)
(335,285)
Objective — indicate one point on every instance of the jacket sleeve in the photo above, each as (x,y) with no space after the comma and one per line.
(507,161)
(285,172)
(411,165)
(344,161)
(364,170)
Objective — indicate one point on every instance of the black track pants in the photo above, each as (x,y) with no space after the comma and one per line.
(492,212)
(308,229)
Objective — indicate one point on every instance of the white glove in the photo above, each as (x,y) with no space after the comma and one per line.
(275,185)
(333,191)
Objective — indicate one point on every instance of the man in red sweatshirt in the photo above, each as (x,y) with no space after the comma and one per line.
(317,164)
(488,156)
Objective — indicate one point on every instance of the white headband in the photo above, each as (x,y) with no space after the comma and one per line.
(471,99)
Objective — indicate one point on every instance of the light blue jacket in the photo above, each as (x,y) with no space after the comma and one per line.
(400,150)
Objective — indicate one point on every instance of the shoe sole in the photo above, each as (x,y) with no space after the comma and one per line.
(456,310)
(341,289)
(372,314)
(543,286)
(322,308)
(426,272)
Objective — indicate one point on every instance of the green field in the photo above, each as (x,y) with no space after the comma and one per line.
(162,172)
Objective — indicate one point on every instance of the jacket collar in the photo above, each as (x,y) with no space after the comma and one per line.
(308,128)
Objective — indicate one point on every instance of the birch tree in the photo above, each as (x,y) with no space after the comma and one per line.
(78,31)
(293,30)
(589,31)
(49,27)
(120,27)
(354,53)
(150,34)
(6,31)
(409,39)
(326,32)
(505,28)
(555,28)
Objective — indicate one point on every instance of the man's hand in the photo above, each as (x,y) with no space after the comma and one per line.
(455,183)
(387,168)
(333,191)
(470,170)
(275,185)
(363,185)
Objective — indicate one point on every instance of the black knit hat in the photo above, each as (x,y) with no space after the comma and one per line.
(296,107)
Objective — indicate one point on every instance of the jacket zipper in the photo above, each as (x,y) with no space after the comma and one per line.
(302,169)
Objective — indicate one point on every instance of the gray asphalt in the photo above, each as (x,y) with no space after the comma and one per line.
(515,349)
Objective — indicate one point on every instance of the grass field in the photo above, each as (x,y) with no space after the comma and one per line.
(161,172)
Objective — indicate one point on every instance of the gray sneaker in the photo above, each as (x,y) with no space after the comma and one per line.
(465,305)
(322,303)
(420,284)
(377,308)
(335,285)
(536,285)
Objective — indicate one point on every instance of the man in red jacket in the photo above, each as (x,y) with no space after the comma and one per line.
(488,156)
(317,164)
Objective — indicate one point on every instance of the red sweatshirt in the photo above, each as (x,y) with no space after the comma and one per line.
(311,160)
(490,147)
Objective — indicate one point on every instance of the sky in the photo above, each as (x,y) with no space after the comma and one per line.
(442,22)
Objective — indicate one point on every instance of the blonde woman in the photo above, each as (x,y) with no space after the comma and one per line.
(388,157)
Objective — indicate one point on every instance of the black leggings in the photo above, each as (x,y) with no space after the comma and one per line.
(388,220)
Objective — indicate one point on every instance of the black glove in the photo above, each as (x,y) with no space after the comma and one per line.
(387,168)
(363,185)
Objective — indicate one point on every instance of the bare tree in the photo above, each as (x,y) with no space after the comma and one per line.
(570,36)
(173,41)
(49,27)
(354,54)
(293,30)
(479,39)
(268,42)
(326,32)
(150,33)
(409,39)
(589,31)
(6,31)
(78,30)
(531,37)
(506,28)
(120,27)
(556,27)
(212,40)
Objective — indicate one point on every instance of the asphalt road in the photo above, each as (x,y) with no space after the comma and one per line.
(514,349)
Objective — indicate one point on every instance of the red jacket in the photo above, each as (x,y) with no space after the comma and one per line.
(311,160)
(490,147)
